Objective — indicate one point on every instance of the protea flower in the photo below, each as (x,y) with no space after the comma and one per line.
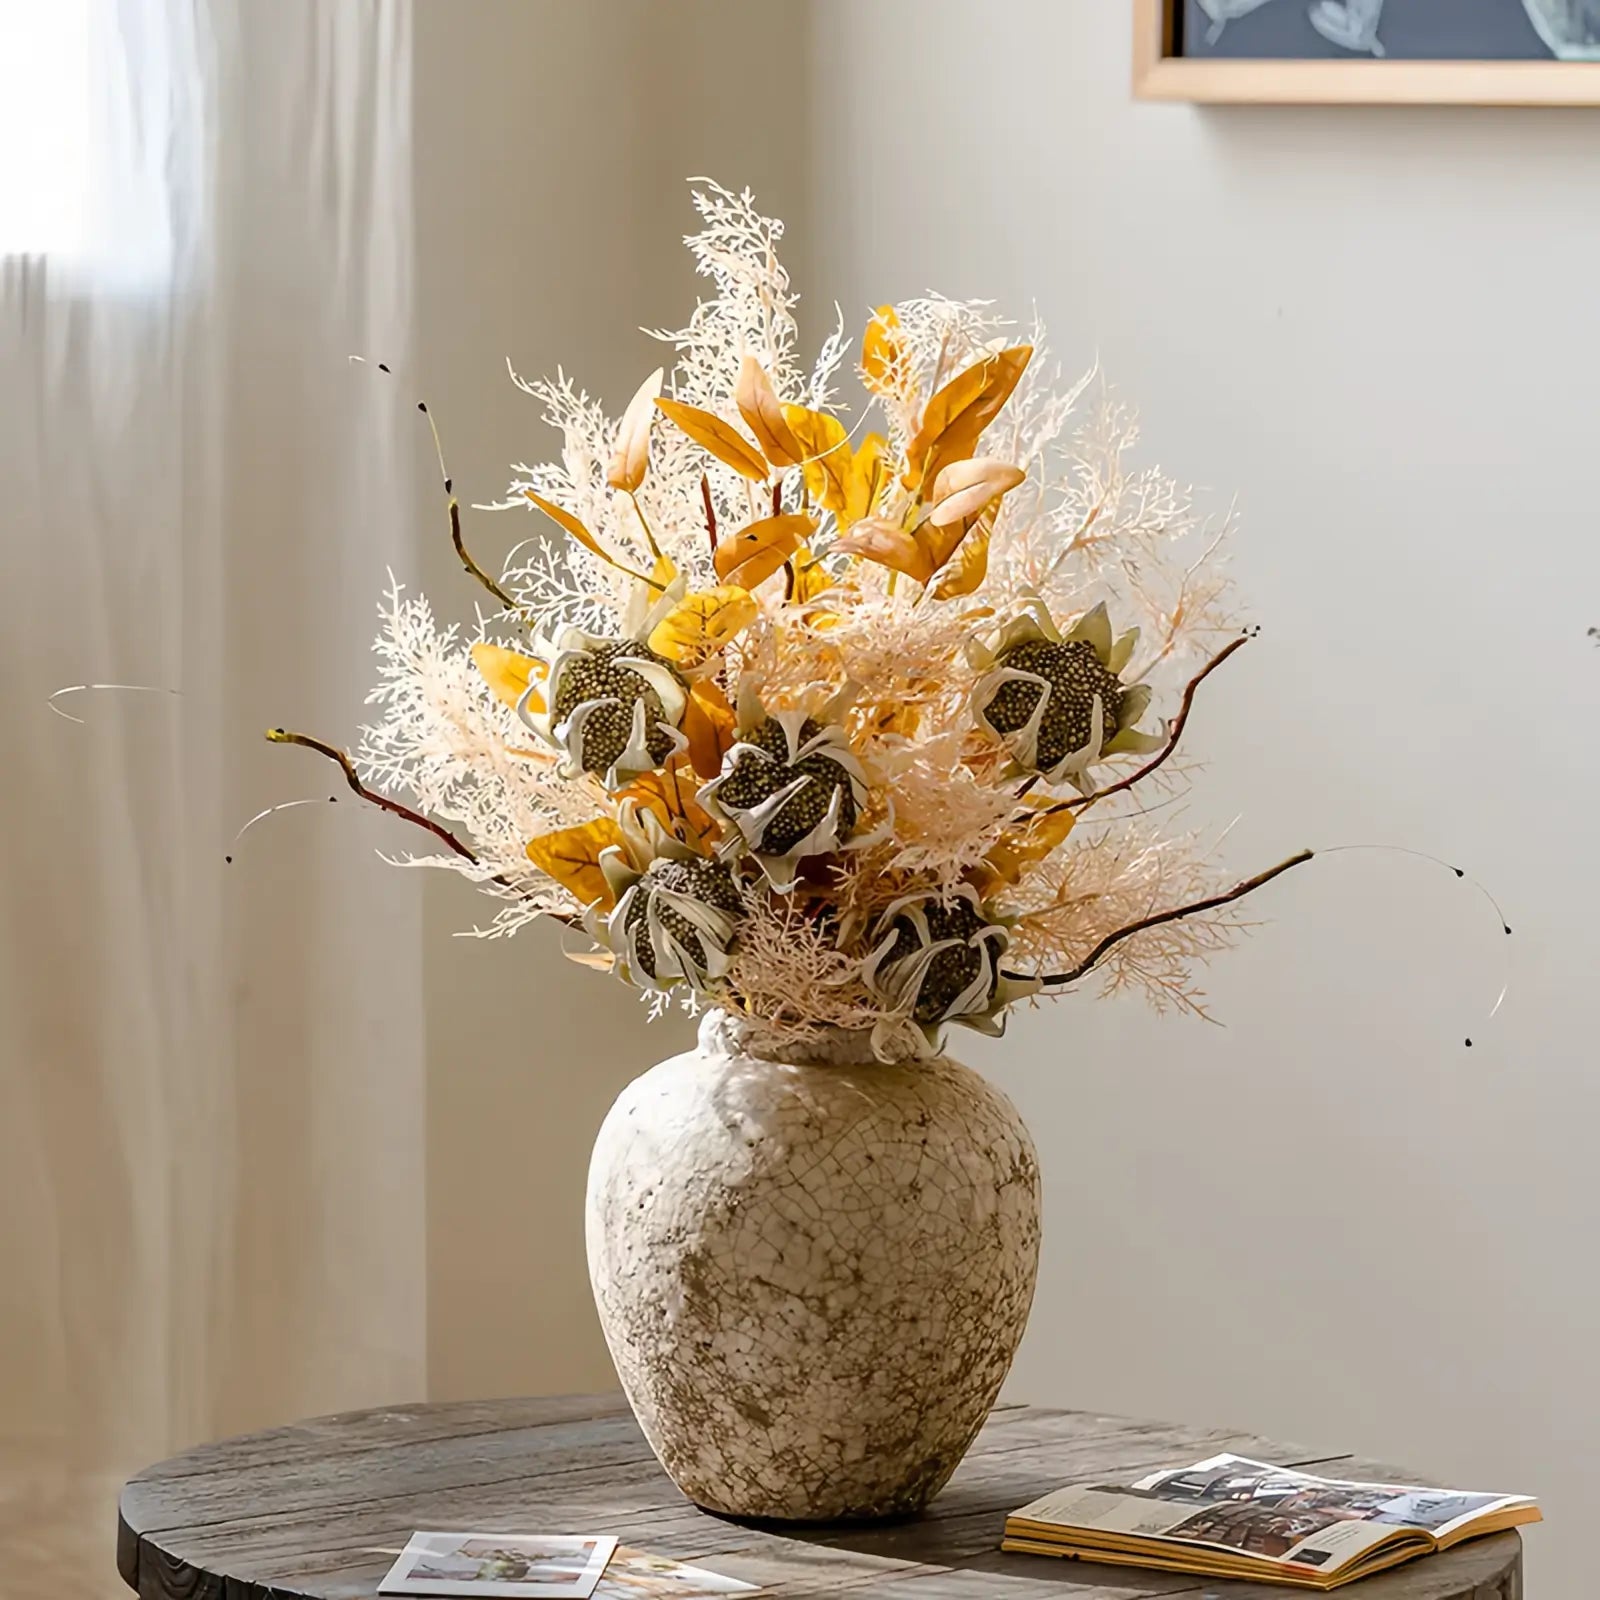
(676,912)
(1055,700)
(791,787)
(936,959)
(611,706)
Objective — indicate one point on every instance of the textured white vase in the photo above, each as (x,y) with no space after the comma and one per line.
(812,1275)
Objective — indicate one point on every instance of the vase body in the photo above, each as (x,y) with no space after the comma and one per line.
(812,1275)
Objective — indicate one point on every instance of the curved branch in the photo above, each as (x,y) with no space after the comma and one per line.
(383,802)
(471,565)
(1174,733)
(1112,940)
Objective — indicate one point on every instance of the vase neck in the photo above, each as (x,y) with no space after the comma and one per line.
(725,1033)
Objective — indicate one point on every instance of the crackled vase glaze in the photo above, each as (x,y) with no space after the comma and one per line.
(812,1273)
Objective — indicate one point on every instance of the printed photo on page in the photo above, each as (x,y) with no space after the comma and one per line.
(515,1566)
(638,1575)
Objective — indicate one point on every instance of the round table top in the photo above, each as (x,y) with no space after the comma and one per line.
(319,1510)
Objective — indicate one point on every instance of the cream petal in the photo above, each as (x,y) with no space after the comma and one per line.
(1122,651)
(669,690)
(1135,702)
(1094,627)
(1131,742)
(619,872)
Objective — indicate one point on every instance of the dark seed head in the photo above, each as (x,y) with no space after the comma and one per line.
(708,881)
(950,971)
(595,675)
(1077,678)
(755,777)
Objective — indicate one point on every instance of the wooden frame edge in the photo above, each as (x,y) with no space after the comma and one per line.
(1159,75)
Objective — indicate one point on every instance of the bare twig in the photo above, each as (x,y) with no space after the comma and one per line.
(711,515)
(1174,733)
(471,565)
(382,801)
(1112,940)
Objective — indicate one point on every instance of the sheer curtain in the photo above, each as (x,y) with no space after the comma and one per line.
(211,1087)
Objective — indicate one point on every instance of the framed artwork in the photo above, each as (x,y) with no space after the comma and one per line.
(1324,52)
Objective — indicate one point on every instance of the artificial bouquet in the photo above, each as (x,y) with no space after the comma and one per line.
(831,720)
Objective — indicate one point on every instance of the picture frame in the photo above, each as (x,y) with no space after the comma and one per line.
(1160,73)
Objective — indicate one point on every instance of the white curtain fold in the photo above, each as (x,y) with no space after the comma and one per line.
(211,1085)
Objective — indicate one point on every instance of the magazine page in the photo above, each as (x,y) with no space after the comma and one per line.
(1318,1539)
(1255,1506)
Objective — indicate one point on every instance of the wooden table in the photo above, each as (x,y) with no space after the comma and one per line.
(318,1511)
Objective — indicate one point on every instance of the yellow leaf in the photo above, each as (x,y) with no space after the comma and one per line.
(758,404)
(596,960)
(811,578)
(709,726)
(663,572)
(964,488)
(631,457)
(572,857)
(671,795)
(867,473)
(1031,841)
(900,717)
(954,419)
(701,624)
(713,434)
(507,673)
(885,542)
(566,519)
(881,351)
(755,552)
(825,455)
(972,565)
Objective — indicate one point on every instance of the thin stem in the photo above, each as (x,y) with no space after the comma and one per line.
(1112,940)
(471,565)
(1174,733)
(382,801)
(455,515)
(777,497)
(649,537)
(711,515)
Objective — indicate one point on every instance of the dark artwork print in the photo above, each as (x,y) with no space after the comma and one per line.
(1396,30)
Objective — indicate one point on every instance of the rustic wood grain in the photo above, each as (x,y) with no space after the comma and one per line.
(319,1510)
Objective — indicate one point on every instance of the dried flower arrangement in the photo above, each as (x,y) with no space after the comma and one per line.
(829,727)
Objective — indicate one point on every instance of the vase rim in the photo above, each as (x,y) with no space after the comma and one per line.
(827,1046)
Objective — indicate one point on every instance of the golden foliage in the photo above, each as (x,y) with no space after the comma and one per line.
(630,459)
(965,488)
(865,478)
(711,433)
(825,458)
(954,419)
(709,725)
(1022,845)
(881,350)
(572,525)
(763,415)
(507,673)
(703,623)
(673,799)
(755,552)
(971,566)
(887,543)
(572,857)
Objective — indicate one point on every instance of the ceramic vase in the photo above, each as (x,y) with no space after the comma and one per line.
(813,1269)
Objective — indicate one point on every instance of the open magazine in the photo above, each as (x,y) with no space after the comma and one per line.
(1230,1517)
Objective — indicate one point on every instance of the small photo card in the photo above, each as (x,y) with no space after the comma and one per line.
(517,1566)
(638,1575)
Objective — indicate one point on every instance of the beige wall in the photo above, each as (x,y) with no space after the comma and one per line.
(552,143)
(1330,1219)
